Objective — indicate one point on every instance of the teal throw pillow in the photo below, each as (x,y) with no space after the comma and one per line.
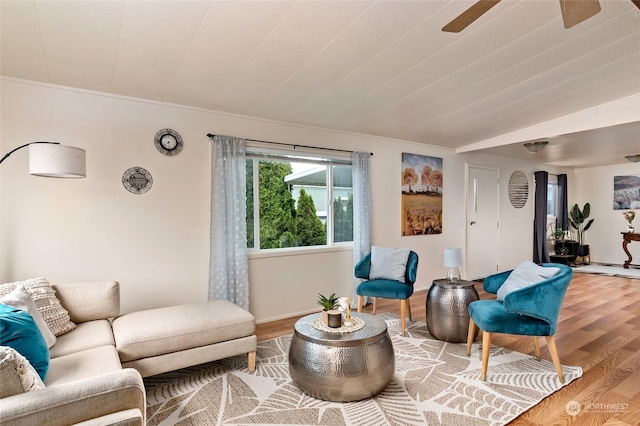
(19,331)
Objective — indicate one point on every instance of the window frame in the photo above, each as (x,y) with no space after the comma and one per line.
(552,216)
(257,154)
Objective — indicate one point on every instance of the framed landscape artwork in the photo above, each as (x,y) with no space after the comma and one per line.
(421,195)
(626,192)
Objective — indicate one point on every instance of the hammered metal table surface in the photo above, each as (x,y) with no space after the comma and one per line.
(341,367)
(448,309)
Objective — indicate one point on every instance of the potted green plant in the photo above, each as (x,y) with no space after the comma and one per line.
(577,220)
(558,241)
(327,303)
(558,234)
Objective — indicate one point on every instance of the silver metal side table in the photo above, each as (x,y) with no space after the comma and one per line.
(448,309)
(341,367)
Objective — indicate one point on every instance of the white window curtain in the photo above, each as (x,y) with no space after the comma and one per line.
(361,210)
(228,270)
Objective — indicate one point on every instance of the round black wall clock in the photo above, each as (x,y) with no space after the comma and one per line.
(137,180)
(168,141)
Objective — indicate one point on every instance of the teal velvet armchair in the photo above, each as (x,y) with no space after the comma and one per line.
(387,288)
(529,311)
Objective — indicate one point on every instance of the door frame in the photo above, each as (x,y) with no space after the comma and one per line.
(467,172)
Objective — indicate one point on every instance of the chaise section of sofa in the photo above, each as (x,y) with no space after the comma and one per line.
(166,339)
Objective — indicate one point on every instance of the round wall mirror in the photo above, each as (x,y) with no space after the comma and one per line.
(137,180)
(518,189)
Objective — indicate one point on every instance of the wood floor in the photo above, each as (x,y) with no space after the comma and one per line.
(598,330)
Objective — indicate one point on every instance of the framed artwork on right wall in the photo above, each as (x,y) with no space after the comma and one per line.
(626,192)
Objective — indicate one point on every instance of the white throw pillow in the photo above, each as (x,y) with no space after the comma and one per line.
(16,374)
(524,275)
(388,263)
(20,298)
(44,296)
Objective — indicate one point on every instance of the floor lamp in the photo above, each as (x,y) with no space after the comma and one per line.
(51,159)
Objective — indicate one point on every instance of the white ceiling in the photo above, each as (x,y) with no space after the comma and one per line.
(375,67)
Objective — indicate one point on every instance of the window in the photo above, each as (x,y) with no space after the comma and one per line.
(295,201)
(552,196)
(552,205)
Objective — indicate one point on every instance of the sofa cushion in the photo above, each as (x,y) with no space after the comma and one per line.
(165,330)
(86,335)
(19,331)
(16,374)
(88,301)
(388,263)
(44,296)
(84,364)
(20,298)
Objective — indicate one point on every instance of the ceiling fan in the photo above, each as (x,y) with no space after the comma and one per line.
(573,12)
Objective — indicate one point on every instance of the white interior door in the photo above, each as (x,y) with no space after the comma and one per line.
(482,221)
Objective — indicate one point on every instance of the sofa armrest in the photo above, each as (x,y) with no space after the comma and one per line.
(88,301)
(78,401)
(132,417)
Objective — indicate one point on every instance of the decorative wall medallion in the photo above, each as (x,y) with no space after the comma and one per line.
(137,180)
(518,189)
(168,141)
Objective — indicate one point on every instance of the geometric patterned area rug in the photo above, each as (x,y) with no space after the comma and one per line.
(435,383)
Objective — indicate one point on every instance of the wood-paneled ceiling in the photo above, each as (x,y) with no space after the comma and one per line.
(375,67)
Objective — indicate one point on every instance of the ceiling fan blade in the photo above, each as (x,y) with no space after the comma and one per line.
(637,3)
(576,11)
(463,20)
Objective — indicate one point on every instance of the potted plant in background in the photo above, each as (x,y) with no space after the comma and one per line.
(327,303)
(558,234)
(577,220)
(558,241)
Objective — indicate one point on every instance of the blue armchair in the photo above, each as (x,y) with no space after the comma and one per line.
(387,289)
(529,311)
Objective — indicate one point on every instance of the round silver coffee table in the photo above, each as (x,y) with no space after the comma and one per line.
(448,309)
(341,367)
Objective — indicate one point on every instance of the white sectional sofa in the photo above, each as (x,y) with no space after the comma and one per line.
(88,379)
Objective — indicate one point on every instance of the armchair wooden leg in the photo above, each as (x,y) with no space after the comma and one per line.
(375,305)
(360,301)
(486,349)
(551,343)
(536,348)
(408,302)
(470,336)
(403,313)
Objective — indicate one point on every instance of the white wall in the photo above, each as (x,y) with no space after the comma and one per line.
(595,186)
(157,244)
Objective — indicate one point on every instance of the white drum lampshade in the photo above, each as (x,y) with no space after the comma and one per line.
(453,260)
(55,160)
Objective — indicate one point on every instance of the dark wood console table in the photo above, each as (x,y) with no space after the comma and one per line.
(627,237)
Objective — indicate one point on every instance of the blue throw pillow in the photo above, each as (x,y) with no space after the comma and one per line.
(19,331)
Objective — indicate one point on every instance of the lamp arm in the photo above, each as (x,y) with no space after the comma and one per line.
(22,146)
